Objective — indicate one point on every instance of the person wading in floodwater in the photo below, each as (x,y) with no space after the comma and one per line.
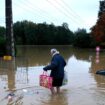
(57,70)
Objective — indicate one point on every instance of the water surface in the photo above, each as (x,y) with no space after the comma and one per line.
(22,75)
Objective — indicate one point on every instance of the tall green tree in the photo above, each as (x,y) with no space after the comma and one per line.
(27,32)
(2,41)
(82,38)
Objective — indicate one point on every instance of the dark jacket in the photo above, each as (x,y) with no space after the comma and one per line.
(57,66)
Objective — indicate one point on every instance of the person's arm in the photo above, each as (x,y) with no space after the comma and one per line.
(52,65)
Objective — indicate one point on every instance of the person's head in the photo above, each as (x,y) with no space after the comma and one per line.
(54,51)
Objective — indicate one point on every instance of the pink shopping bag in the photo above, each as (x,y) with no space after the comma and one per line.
(45,80)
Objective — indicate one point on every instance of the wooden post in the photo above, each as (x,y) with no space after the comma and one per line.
(9,29)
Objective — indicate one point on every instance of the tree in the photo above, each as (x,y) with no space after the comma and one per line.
(30,33)
(98,31)
(2,31)
(82,38)
(2,41)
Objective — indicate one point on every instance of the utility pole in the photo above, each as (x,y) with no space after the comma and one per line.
(10,47)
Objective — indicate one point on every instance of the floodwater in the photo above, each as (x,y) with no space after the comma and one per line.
(20,77)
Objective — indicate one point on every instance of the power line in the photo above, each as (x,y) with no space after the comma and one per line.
(70,10)
(65,13)
(44,12)
(41,11)
(29,7)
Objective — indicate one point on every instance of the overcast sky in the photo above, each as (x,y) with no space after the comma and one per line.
(77,13)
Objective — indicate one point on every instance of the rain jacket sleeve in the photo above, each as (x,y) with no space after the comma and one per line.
(52,65)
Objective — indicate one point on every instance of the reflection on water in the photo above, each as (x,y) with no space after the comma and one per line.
(21,76)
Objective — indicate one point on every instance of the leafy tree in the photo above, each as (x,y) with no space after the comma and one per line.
(2,31)
(82,38)
(2,41)
(98,31)
(27,32)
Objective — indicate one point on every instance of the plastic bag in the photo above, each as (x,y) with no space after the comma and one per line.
(45,80)
(65,79)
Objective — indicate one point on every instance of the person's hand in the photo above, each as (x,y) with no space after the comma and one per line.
(44,69)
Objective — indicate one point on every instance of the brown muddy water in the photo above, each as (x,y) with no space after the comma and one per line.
(21,77)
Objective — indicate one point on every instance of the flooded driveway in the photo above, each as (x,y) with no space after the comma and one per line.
(19,78)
